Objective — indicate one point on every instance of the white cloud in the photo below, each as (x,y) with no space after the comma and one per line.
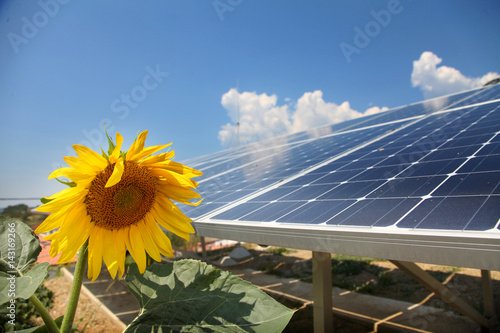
(260,117)
(312,111)
(437,81)
(256,117)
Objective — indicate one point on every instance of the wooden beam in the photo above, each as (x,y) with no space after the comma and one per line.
(322,292)
(488,301)
(203,248)
(442,291)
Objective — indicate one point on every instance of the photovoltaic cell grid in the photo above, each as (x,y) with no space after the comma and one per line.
(211,164)
(440,172)
(259,169)
(234,174)
(489,94)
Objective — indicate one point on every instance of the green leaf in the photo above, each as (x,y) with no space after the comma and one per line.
(25,285)
(19,249)
(191,296)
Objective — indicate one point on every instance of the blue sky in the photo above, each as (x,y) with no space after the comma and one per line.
(68,67)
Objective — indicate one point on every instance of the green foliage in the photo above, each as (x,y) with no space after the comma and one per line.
(25,311)
(279,250)
(385,279)
(180,242)
(17,211)
(23,213)
(344,257)
(19,249)
(348,267)
(191,296)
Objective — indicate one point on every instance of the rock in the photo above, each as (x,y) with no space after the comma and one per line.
(240,253)
(226,261)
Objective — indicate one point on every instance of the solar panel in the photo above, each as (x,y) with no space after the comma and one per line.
(416,183)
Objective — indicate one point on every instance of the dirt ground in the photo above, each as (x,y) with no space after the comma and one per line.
(89,317)
(380,278)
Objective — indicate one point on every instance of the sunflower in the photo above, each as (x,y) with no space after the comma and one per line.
(118,201)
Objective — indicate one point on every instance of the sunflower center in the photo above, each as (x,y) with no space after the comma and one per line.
(125,203)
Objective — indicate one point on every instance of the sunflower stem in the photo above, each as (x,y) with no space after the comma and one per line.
(47,319)
(75,289)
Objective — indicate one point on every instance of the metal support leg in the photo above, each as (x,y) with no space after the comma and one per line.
(442,291)
(322,292)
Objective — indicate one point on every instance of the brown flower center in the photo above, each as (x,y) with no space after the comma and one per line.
(125,203)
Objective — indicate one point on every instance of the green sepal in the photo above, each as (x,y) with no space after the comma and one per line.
(110,142)
(67,183)
(104,154)
(45,200)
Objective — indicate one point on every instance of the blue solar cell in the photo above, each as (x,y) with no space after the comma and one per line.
(371,212)
(272,211)
(481,163)
(239,211)
(383,172)
(307,192)
(486,217)
(469,184)
(334,177)
(431,168)
(450,213)
(490,149)
(483,95)
(407,187)
(351,190)
(446,154)
(316,212)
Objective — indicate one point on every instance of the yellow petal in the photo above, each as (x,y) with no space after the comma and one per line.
(62,193)
(61,202)
(82,166)
(116,152)
(110,254)
(173,178)
(180,194)
(69,172)
(157,159)
(75,240)
(137,146)
(179,226)
(149,243)
(96,246)
(121,250)
(159,236)
(116,176)
(174,167)
(135,245)
(90,156)
(60,246)
(146,152)
(53,221)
